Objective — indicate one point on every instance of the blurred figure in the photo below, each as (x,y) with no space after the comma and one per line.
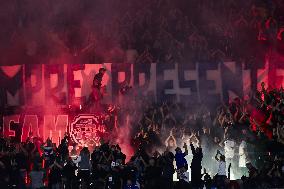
(230,146)
(243,157)
(221,175)
(152,174)
(69,177)
(97,93)
(48,153)
(196,176)
(181,162)
(130,185)
(170,142)
(84,166)
(37,176)
(55,175)
(167,170)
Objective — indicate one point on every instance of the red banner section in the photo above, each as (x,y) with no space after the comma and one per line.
(84,129)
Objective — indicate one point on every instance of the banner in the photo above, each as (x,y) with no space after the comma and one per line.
(70,84)
(38,91)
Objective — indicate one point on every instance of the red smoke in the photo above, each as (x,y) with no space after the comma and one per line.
(123,138)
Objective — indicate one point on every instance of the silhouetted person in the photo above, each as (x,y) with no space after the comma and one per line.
(96,95)
(196,176)
(69,176)
(97,82)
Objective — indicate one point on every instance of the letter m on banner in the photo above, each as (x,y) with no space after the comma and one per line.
(11,82)
(55,127)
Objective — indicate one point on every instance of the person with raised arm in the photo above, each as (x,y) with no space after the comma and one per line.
(171,142)
(221,174)
(181,163)
(196,176)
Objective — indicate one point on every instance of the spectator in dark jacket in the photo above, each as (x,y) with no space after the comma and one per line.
(84,166)
(69,176)
(196,176)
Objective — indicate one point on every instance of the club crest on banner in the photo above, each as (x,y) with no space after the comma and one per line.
(87,130)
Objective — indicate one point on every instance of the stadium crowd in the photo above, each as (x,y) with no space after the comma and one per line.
(96,31)
(238,146)
(241,146)
(188,30)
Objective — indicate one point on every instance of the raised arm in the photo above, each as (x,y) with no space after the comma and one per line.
(175,141)
(185,149)
(192,148)
(216,156)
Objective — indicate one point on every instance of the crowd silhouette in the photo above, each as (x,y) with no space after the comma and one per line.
(242,146)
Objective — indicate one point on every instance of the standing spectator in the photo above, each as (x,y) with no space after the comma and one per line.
(55,176)
(37,177)
(229,148)
(21,159)
(48,153)
(84,166)
(114,180)
(196,176)
(221,175)
(152,174)
(63,148)
(69,176)
(4,177)
(243,156)
(167,170)
(181,162)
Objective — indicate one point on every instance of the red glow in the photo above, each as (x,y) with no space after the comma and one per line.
(87,130)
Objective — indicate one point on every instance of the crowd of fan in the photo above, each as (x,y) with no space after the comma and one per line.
(164,31)
(249,130)
(243,140)
(185,31)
